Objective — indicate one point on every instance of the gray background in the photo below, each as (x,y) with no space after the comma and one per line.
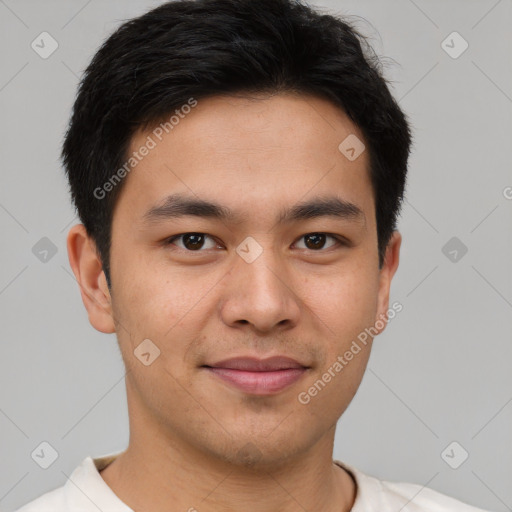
(441,370)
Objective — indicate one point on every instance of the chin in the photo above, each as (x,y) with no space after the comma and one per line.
(265,453)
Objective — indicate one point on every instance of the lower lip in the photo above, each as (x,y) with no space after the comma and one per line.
(259,383)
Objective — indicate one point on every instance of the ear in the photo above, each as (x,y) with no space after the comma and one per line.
(88,270)
(387,272)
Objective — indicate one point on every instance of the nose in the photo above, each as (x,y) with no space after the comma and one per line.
(260,294)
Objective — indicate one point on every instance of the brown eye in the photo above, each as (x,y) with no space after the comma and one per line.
(316,241)
(191,241)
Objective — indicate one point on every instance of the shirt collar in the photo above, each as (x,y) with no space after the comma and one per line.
(87,489)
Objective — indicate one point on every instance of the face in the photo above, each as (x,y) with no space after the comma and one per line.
(280,259)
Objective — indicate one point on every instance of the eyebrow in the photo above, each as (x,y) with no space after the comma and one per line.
(178,205)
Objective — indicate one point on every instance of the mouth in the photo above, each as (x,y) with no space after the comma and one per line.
(258,376)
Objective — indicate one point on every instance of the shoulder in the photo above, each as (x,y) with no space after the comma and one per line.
(422,498)
(375,495)
(84,490)
(52,501)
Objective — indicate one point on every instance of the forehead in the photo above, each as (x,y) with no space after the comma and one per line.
(259,152)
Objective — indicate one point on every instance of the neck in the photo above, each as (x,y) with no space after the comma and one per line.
(167,470)
(190,481)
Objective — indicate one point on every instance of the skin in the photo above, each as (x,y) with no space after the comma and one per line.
(195,441)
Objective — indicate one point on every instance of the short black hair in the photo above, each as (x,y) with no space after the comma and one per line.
(154,64)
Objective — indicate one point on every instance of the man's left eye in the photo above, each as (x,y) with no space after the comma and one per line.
(316,241)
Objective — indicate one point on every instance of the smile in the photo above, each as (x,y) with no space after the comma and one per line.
(258,382)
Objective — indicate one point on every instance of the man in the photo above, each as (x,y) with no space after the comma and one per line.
(238,168)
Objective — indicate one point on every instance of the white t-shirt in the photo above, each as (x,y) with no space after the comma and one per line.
(86,491)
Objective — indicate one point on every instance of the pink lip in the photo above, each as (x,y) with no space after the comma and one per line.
(258,376)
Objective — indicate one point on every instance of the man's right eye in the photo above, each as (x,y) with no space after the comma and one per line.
(191,241)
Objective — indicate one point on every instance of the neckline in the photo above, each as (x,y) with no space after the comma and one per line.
(102,462)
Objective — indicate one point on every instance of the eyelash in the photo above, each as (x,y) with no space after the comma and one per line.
(340,241)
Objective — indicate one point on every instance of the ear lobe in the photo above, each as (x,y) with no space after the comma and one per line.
(88,271)
(387,272)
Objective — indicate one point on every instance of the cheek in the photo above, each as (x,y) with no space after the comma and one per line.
(146,287)
(346,300)
(168,305)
